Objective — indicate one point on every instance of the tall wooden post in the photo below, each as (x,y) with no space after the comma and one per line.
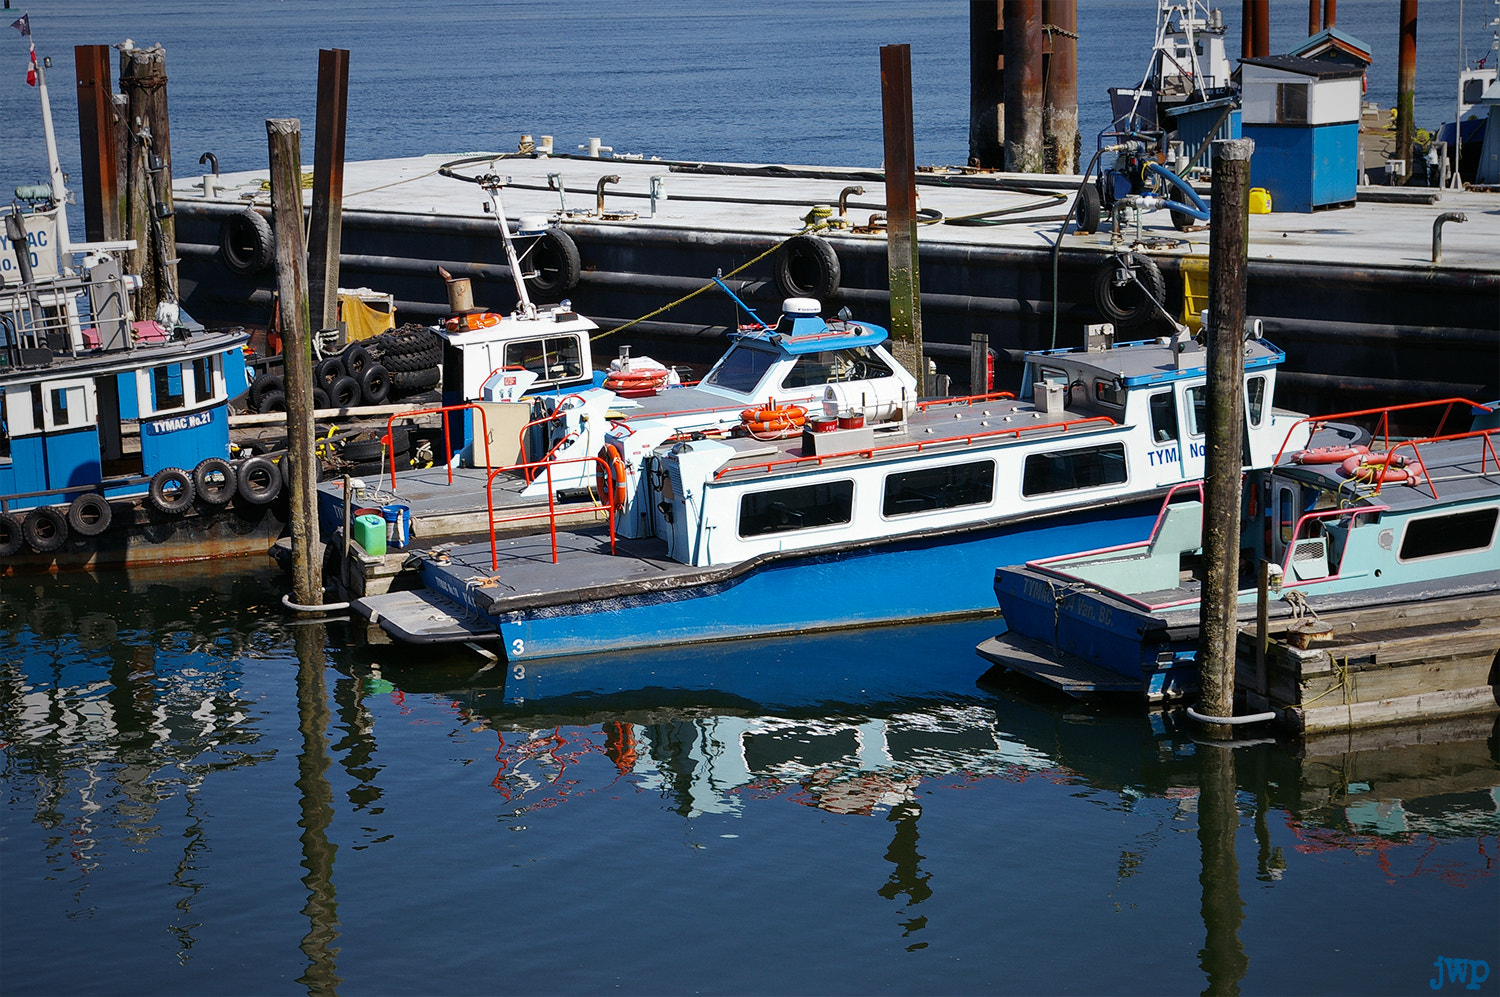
(284,139)
(143,81)
(986,85)
(1062,146)
(901,210)
(328,187)
(1023,86)
(1229,240)
(1406,84)
(96,144)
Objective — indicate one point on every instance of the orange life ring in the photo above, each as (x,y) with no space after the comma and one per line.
(784,413)
(1329,455)
(1379,468)
(476,320)
(611,466)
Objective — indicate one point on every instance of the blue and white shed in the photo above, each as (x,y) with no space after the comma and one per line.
(1304,117)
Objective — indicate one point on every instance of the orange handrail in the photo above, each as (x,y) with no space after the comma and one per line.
(554,414)
(993,396)
(918,445)
(1385,416)
(551,514)
(390,423)
(1487,454)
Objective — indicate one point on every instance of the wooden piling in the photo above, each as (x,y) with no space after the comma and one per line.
(986,85)
(1023,86)
(979,363)
(1062,146)
(96,144)
(1406,85)
(328,187)
(284,141)
(1222,957)
(143,81)
(901,210)
(1229,240)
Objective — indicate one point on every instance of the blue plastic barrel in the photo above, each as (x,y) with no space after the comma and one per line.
(398,524)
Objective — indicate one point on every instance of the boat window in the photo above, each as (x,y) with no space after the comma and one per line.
(801,508)
(1437,535)
(1255,399)
(556,358)
(1109,392)
(166,387)
(1067,470)
(1197,410)
(830,366)
(1286,513)
(60,413)
(1163,417)
(741,369)
(931,488)
(203,379)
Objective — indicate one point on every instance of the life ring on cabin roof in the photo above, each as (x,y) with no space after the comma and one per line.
(1382,468)
(609,475)
(470,322)
(773,422)
(246,244)
(1329,455)
(807,267)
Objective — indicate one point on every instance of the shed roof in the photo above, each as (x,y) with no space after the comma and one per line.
(1323,69)
(1334,40)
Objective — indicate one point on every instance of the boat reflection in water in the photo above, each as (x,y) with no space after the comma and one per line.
(262,795)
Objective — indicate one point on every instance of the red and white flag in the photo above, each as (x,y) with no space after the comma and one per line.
(23,25)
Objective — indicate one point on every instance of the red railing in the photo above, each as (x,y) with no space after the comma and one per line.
(1487,455)
(993,396)
(551,514)
(1384,424)
(556,413)
(920,445)
(390,423)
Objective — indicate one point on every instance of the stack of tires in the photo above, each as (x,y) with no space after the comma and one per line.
(365,457)
(349,378)
(412,354)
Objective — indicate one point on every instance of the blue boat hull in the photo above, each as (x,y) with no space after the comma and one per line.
(903,581)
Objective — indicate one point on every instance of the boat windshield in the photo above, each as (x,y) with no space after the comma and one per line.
(742,368)
(830,366)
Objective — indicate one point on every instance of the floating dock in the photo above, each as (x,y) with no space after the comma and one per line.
(1354,295)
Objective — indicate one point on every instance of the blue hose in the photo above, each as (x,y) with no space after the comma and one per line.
(1197,208)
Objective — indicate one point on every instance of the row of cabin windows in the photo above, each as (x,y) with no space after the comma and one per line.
(831,503)
(167,384)
(1164,410)
(556,358)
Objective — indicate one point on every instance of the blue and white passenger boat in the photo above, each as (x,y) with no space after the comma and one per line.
(1343,528)
(114,433)
(877,510)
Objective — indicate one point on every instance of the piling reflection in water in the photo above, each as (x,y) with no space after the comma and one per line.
(147,725)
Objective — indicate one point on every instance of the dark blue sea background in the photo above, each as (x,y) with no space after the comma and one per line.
(202,796)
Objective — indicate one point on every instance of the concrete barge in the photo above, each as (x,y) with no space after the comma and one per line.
(1354,295)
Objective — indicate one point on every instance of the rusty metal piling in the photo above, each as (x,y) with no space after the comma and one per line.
(1062,146)
(328,187)
(96,144)
(1023,86)
(901,210)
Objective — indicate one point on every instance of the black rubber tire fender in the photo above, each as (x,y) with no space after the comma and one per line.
(375,384)
(807,267)
(11,537)
(272,401)
(1087,212)
(356,358)
(214,480)
(321,399)
(328,370)
(396,362)
(246,244)
(408,339)
(264,385)
(417,380)
(171,490)
(45,528)
(555,265)
(345,392)
(259,480)
(1126,305)
(90,514)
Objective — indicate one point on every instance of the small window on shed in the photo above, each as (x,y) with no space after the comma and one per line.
(1291,103)
(804,507)
(1434,536)
(908,492)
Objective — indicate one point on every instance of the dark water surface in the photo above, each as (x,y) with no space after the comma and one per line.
(203,798)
